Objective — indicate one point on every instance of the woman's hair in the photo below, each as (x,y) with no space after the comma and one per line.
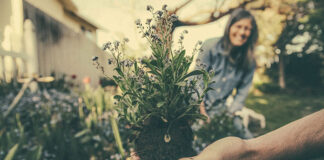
(246,60)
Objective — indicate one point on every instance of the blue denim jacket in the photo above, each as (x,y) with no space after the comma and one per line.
(227,77)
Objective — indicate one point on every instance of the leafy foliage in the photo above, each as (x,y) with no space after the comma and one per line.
(8,87)
(50,124)
(219,127)
(161,86)
(301,46)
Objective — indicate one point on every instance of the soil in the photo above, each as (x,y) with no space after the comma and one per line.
(151,145)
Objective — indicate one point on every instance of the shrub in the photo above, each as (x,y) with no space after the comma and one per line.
(160,96)
(50,124)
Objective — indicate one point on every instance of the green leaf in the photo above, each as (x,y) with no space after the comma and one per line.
(39,152)
(193,73)
(118,140)
(12,152)
(181,84)
(160,104)
(85,139)
(152,68)
(116,79)
(119,71)
(117,97)
(206,79)
(179,58)
(81,133)
(154,63)
(136,67)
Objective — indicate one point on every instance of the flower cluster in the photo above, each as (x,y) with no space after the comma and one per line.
(155,32)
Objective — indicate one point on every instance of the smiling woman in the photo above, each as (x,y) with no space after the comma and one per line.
(231,59)
(240,32)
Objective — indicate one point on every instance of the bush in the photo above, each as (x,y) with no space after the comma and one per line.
(220,126)
(7,88)
(303,72)
(159,95)
(50,124)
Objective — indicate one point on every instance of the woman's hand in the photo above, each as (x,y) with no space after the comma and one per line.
(203,112)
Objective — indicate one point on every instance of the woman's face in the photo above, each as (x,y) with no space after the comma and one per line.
(240,31)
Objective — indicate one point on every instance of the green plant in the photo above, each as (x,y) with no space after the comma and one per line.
(158,93)
(50,124)
(101,104)
(220,126)
(9,87)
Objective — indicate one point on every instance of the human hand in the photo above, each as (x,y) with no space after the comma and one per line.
(230,148)
(201,122)
(203,112)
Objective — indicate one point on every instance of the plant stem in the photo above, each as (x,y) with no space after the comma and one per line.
(117,135)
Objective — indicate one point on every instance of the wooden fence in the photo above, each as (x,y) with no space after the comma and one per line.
(12,65)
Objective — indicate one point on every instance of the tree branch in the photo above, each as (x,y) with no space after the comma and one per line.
(180,7)
(212,16)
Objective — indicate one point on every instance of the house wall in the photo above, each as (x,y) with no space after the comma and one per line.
(5,12)
(54,9)
(61,49)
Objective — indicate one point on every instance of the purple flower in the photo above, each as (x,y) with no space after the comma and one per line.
(149,8)
(110,60)
(164,7)
(174,17)
(94,58)
(160,13)
(138,22)
(106,46)
(116,44)
(146,34)
(155,37)
(148,21)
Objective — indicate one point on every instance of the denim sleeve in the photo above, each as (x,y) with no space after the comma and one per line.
(202,62)
(207,56)
(242,91)
(204,59)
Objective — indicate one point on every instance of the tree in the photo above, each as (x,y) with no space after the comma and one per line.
(301,21)
(290,30)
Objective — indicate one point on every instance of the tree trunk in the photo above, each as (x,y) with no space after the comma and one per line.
(282,82)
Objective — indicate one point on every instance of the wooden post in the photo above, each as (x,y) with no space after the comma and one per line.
(3,73)
(31,48)
(14,68)
(17,20)
(31,52)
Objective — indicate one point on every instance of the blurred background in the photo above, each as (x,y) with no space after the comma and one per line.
(46,48)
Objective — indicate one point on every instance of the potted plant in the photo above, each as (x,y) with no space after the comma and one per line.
(160,96)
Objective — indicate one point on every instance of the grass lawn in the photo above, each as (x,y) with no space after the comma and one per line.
(282,108)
